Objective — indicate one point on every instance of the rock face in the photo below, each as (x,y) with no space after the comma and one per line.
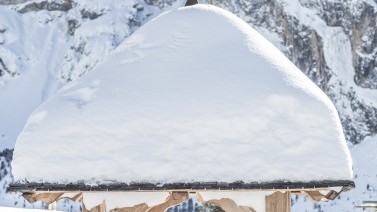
(309,47)
(46,5)
(191,2)
(358,20)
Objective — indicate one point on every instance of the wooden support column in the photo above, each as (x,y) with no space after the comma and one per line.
(52,206)
(278,202)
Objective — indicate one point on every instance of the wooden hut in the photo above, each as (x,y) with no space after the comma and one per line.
(194,103)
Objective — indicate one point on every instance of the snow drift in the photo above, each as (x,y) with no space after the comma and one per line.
(193,95)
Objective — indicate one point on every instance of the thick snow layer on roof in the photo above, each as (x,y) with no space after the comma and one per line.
(194,95)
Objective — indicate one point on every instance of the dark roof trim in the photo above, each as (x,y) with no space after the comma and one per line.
(191,2)
(345,184)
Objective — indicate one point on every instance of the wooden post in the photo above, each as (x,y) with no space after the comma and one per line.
(51,206)
(278,202)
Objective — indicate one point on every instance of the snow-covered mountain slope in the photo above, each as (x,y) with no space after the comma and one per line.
(46,43)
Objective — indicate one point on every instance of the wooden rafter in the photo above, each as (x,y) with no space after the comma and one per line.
(278,202)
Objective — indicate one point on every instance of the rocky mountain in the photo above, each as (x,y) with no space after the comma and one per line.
(45,44)
(333,43)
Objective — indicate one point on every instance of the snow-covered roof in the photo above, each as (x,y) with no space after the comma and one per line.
(194,95)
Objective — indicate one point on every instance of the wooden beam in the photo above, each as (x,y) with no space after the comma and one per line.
(229,205)
(47,198)
(99,208)
(137,208)
(175,198)
(278,202)
(317,196)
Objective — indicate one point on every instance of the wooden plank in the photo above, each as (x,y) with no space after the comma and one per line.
(99,208)
(137,208)
(175,198)
(278,202)
(229,205)
(47,198)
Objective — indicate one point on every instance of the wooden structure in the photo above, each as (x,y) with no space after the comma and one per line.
(275,196)
(368,205)
(266,196)
(279,201)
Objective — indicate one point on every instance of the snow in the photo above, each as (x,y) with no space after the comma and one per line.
(255,200)
(365,163)
(7,209)
(205,98)
(372,3)
(42,64)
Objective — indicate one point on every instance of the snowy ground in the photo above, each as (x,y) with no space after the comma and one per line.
(7,209)
(365,169)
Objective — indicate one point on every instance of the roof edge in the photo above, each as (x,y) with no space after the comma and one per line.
(145,186)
